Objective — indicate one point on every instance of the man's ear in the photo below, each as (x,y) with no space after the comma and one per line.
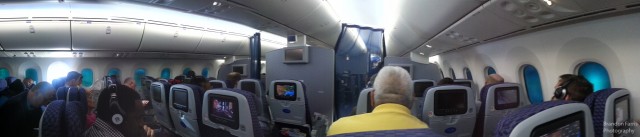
(567,97)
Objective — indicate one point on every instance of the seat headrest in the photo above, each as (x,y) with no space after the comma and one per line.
(3,84)
(597,102)
(217,84)
(421,85)
(51,123)
(250,85)
(393,133)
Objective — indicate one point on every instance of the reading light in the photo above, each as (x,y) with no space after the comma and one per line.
(549,2)
(428,46)
(421,53)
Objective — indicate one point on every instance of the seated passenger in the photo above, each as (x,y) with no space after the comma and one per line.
(28,83)
(22,113)
(576,88)
(561,80)
(74,79)
(191,74)
(232,79)
(129,82)
(112,123)
(202,82)
(445,81)
(493,79)
(14,88)
(393,98)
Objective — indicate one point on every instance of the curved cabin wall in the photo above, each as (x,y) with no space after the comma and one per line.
(612,42)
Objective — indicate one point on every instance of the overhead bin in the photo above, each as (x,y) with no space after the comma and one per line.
(218,43)
(106,35)
(52,34)
(164,36)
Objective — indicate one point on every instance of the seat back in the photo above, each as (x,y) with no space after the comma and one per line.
(393,133)
(164,80)
(230,112)
(610,106)
(420,86)
(217,84)
(467,83)
(79,95)
(61,93)
(450,110)
(290,110)
(254,86)
(365,101)
(3,98)
(160,101)
(185,109)
(75,117)
(51,122)
(553,118)
(498,100)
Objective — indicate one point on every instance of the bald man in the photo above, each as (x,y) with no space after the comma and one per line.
(493,79)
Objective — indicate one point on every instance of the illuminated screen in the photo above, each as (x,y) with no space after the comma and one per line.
(248,86)
(420,87)
(568,126)
(223,110)
(181,99)
(450,102)
(285,91)
(621,113)
(296,54)
(157,93)
(239,69)
(506,98)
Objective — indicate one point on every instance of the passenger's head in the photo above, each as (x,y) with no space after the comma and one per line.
(445,81)
(27,82)
(577,88)
(41,94)
(191,74)
(74,79)
(493,79)
(393,85)
(232,79)
(202,82)
(563,78)
(119,98)
(129,82)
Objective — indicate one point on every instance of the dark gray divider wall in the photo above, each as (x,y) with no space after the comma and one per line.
(317,75)
(225,69)
(420,71)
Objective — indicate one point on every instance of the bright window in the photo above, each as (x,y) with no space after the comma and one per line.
(33,74)
(596,74)
(490,71)
(533,84)
(467,73)
(166,73)
(4,73)
(87,77)
(205,72)
(57,70)
(139,74)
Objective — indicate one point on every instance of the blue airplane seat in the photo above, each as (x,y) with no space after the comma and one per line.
(496,101)
(78,94)
(217,84)
(160,102)
(420,86)
(51,122)
(75,117)
(450,110)
(254,86)
(547,118)
(610,106)
(61,93)
(242,121)
(364,104)
(185,109)
(393,133)
(3,86)
(291,114)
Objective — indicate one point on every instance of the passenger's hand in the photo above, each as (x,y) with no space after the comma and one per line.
(148,130)
(145,102)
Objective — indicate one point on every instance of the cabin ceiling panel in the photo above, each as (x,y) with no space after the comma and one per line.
(287,12)
(161,38)
(480,26)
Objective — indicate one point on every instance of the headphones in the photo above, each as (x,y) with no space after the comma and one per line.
(561,92)
(118,116)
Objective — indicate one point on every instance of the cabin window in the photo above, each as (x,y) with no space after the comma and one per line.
(166,73)
(532,83)
(33,74)
(490,71)
(453,74)
(596,74)
(139,74)
(114,71)
(467,73)
(57,70)
(87,77)
(186,71)
(4,73)
(205,72)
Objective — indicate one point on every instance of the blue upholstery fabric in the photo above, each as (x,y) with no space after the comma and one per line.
(511,120)
(78,94)
(75,119)
(479,127)
(253,107)
(3,84)
(393,133)
(51,123)
(597,102)
(61,93)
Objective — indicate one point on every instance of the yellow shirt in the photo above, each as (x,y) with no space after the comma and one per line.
(384,117)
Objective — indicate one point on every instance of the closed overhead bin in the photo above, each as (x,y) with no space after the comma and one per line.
(218,43)
(28,34)
(165,36)
(100,34)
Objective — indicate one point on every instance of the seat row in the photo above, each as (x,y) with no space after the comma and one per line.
(449,109)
